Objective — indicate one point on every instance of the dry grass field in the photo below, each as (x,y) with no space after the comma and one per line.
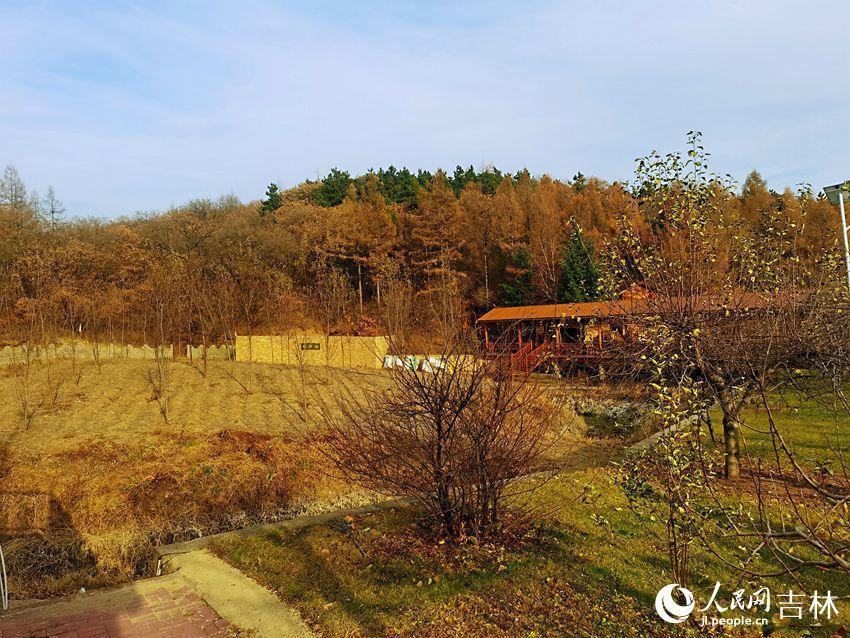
(115,403)
(99,477)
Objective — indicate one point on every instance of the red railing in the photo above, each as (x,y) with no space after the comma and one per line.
(528,357)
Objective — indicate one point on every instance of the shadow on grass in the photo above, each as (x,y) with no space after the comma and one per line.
(374,594)
(320,576)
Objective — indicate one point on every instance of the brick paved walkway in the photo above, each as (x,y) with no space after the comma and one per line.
(169,609)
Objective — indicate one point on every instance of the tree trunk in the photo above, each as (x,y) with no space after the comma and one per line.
(730,435)
(486,281)
(360,285)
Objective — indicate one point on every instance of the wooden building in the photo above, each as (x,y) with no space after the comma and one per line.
(597,334)
(570,335)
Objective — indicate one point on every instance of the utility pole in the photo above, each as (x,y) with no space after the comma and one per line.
(836,194)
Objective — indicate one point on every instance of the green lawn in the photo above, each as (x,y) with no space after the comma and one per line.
(814,428)
(588,567)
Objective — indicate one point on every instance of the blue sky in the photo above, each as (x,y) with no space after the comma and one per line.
(139,106)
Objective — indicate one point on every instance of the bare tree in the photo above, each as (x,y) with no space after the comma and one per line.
(26,356)
(448,308)
(333,296)
(452,437)
(163,300)
(396,305)
(53,209)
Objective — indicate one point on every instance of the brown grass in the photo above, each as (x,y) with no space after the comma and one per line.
(99,479)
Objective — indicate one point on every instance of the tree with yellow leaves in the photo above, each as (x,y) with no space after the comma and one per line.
(362,231)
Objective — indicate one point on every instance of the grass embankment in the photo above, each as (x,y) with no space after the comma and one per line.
(99,478)
(590,567)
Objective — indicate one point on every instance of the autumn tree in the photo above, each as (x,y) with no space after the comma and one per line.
(516,289)
(755,196)
(588,209)
(362,230)
(510,224)
(546,228)
(437,234)
(480,236)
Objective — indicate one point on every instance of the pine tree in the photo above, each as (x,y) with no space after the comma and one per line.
(334,188)
(398,186)
(579,182)
(272,201)
(579,274)
(517,290)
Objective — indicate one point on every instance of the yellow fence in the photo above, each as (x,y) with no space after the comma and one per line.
(292,349)
(313,349)
(82,350)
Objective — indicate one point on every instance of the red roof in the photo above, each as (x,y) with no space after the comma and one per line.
(560,310)
(739,301)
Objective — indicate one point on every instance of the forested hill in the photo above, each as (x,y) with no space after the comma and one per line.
(323,252)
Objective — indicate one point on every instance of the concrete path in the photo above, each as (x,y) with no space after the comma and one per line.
(238,598)
(155,608)
(200,597)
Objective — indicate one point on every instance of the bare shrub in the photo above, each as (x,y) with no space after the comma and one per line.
(453,438)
